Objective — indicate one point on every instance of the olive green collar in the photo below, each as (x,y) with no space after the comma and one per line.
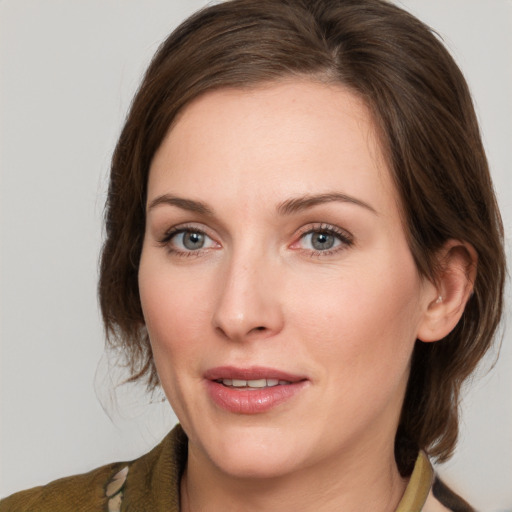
(419,486)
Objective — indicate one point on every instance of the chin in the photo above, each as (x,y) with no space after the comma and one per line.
(255,453)
(257,463)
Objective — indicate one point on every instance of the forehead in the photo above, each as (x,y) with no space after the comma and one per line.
(273,141)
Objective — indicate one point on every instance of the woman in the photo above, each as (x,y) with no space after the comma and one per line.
(303,248)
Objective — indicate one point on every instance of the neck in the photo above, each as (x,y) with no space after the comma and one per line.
(370,481)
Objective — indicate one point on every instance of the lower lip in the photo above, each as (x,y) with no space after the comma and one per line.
(251,401)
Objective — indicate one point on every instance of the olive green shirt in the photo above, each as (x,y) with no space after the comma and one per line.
(152,483)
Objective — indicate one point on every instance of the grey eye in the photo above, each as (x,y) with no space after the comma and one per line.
(193,240)
(190,240)
(321,241)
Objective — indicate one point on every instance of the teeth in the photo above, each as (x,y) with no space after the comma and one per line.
(260,383)
(256,383)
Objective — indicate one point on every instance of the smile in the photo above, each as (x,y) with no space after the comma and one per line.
(253,384)
(253,390)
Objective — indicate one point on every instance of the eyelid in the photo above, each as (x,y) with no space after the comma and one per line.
(185,226)
(170,233)
(344,236)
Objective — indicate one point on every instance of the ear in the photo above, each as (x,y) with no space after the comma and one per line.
(447,296)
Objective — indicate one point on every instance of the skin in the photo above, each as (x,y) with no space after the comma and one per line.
(259,293)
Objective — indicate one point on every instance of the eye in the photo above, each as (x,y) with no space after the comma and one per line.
(190,240)
(323,239)
(187,240)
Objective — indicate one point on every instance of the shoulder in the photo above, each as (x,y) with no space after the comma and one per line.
(86,492)
(425,492)
(442,499)
(104,488)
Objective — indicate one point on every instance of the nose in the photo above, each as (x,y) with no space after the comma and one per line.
(248,303)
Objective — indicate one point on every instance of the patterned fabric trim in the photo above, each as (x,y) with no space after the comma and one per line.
(114,490)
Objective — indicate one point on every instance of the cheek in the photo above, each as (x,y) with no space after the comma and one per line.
(364,322)
(175,311)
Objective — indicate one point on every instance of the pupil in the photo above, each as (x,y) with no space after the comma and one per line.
(322,241)
(193,240)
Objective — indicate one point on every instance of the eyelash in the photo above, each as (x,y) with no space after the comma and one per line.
(169,235)
(344,237)
(346,240)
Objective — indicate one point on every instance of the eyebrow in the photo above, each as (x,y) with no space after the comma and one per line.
(299,204)
(184,204)
(288,207)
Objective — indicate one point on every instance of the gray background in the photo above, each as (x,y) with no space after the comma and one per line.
(68,71)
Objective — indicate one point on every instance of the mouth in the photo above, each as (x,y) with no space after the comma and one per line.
(252,384)
(251,390)
(254,377)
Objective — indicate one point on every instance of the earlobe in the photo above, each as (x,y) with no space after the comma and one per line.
(449,294)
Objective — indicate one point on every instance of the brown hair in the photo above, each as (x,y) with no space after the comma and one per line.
(429,132)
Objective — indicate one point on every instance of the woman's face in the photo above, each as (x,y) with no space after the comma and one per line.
(279,292)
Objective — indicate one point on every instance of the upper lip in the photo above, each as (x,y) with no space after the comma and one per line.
(251,373)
